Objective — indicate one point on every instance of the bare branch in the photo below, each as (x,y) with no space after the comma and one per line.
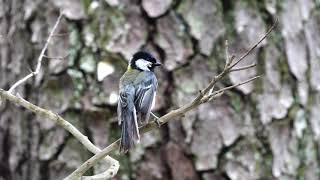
(113,164)
(236,85)
(18,100)
(227,69)
(202,97)
(39,58)
(93,160)
(105,175)
(255,45)
(243,68)
(216,96)
(164,119)
(221,91)
(155,116)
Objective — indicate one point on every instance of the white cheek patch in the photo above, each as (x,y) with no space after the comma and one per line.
(143,64)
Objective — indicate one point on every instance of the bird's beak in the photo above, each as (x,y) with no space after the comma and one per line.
(157,64)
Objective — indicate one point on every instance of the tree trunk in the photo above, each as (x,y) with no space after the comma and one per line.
(269,129)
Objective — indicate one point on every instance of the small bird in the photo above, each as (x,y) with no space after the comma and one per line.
(138,86)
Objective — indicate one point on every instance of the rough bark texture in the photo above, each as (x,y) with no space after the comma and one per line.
(269,129)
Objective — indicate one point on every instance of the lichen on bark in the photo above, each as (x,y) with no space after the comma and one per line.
(265,130)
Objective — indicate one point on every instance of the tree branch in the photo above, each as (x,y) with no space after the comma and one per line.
(112,163)
(39,61)
(243,68)
(18,100)
(202,97)
(219,92)
(255,45)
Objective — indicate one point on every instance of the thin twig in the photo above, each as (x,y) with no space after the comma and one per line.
(39,58)
(164,119)
(155,116)
(99,155)
(243,68)
(218,92)
(113,164)
(236,85)
(227,69)
(255,45)
(175,113)
(216,96)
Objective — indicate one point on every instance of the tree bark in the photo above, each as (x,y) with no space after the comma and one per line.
(269,129)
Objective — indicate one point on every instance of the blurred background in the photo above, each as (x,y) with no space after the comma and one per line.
(269,129)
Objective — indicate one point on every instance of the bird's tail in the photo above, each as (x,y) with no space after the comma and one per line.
(129,130)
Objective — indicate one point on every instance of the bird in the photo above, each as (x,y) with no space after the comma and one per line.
(137,91)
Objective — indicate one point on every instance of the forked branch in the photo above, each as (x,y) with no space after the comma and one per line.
(39,61)
(203,96)
(113,165)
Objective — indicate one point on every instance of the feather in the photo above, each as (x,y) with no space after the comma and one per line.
(137,94)
(145,96)
(127,118)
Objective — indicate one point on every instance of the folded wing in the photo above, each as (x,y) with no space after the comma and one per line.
(127,118)
(145,96)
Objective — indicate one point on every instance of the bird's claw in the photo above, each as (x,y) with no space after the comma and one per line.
(157,122)
(156,119)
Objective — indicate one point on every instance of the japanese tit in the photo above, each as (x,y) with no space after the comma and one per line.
(137,93)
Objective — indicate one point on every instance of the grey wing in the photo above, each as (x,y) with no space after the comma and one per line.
(127,118)
(145,97)
(122,103)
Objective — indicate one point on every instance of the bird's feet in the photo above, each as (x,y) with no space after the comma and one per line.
(156,119)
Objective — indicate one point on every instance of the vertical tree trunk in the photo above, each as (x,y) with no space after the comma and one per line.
(268,129)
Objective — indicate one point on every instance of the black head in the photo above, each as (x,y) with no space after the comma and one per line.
(143,61)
